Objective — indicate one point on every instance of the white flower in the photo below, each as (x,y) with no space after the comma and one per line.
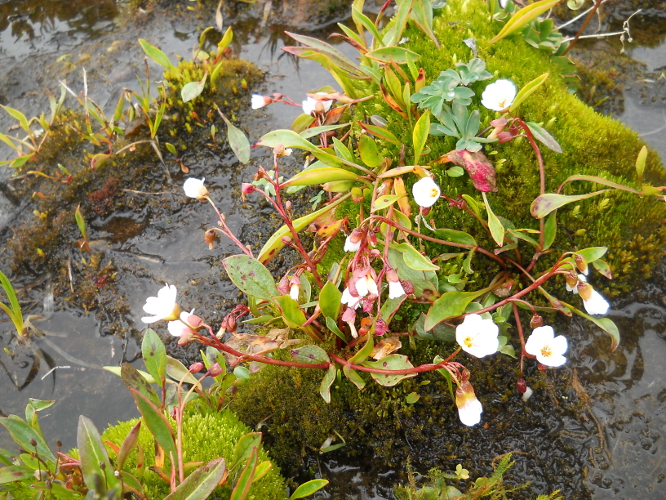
(503,3)
(163,306)
(294,290)
(574,289)
(350,245)
(310,104)
(184,325)
(527,394)
(499,95)
(259,101)
(478,336)
(426,192)
(348,299)
(194,188)
(469,407)
(547,348)
(395,289)
(596,304)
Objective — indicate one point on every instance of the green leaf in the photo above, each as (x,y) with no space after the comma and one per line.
(392,54)
(354,377)
(392,362)
(593,253)
(413,258)
(606,324)
(314,131)
(193,90)
(310,354)
(314,176)
(369,152)
(23,121)
(22,434)
(529,88)
(133,379)
(15,473)
(178,371)
(244,447)
(640,163)
(238,142)
(390,307)
(261,470)
(201,483)
(226,40)
(131,484)
(544,136)
(412,398)
(362,21)
(250,276)
(523,17)
(386,200)
(117,370)
(292,315)
(309,488)
(549,230)
(155,54)
(506,348)
(546,203)
(327,382)
(449,305)
(302,122)
(420,135)
(245,480)
(600,180)
(156,423)
(455,236)
(401,16)
(380,133)
(333,326)
(129,443)
(602,267)
(329,300)
(275,244)
(93,454)
(336,57)
(154,355)
(496,227)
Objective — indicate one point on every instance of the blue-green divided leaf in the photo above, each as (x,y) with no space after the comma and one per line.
(201,483)
(22,433)
(310,354)
(93,454)
(250,276)
(392,362)
(449,305)
(327,382)
(155,54)
(154,354)
(156,422)
(309,488)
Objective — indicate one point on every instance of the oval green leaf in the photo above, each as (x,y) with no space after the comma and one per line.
(155,54)
(250,276)
(309,488)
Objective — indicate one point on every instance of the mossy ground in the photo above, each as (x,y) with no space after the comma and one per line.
(206,436)
(631,227)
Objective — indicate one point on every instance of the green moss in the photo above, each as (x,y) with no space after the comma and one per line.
(631,227)
(206,436)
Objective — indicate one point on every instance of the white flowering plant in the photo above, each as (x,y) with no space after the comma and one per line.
(373,268)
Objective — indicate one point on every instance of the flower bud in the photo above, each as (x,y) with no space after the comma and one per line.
(215,370)
(279,150)
(521,385)
(210,237)
(185,339)
(33,442)
(196,367)
(536,321)
(581,263)
(58,443)
(283,287)
(286,240)
(231,324)
(407,286)
(381,327)
(585,290)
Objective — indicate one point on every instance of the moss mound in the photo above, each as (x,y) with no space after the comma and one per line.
(632,228)
(206,435)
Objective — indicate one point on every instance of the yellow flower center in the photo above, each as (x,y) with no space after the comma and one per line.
(502,103)
(546,351)
(433,193)
(469,342)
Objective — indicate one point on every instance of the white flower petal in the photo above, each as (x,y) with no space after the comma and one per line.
(478,336)
(470,413)
(499,95)
(309,104)
(426,192)
(547,348)
(596,304)
(350,246)
(194,188)
(163,306)
(258,101)
(395,290)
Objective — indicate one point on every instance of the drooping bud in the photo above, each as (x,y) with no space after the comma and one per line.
(499,125)
(536,321)
(469,407)
(196,367)
(210,236)
(585,290)
(247,188)
(295,288)
(581,263)
(283,285)
(521,385)
(215,370)
(408,286)
(33,442)
(286,240)
(381,327)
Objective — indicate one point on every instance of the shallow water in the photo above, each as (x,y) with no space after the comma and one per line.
(626,389)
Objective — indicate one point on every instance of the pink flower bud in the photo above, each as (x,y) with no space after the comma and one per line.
(381,327)
(521,385)
(196,367)
(215,370)
(536,322)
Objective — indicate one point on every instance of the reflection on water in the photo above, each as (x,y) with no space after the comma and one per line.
(622,394)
